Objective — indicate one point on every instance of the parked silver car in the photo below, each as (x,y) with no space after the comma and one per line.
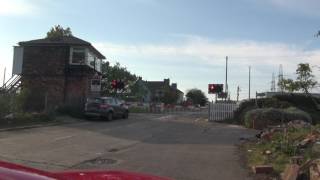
(106,107)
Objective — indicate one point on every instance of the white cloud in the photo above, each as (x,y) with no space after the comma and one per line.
(6,57)
(205,59)
(202,50)
(16,7)
(308,7)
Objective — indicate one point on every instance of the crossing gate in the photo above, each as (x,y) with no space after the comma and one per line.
(221,111)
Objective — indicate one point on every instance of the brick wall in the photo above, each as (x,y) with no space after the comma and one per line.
(45,60)
(44,70)
(43,73)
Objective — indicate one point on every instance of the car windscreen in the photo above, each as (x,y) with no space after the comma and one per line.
(108,101)
(94,100)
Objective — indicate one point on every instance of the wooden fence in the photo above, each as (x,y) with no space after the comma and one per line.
(221,111)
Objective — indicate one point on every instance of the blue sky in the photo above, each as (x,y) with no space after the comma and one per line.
(186,41)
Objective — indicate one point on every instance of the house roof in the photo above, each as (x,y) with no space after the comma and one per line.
(179,91)
(155,85)
(65,40)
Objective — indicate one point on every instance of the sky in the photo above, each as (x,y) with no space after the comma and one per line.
(186,41)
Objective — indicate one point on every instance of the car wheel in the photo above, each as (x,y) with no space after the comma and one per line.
(109,116)
(125,115)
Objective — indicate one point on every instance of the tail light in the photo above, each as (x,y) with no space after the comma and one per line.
(104,106)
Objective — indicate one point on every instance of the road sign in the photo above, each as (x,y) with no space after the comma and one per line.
(260,94)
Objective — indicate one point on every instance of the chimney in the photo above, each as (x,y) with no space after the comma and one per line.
(174,86)
(167,81)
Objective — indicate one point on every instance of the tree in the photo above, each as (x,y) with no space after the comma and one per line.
(305,80)
(57,32)
(197,96)
(289,85)
(115,72)
(139,89)
(170,97)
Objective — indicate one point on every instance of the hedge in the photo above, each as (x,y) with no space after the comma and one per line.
(261,118)
(248,105)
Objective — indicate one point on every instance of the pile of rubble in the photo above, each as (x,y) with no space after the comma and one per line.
(301,167)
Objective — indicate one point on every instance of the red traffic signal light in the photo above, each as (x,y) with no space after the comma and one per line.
(117,84)
(215,88)
(211,87)
(114,84)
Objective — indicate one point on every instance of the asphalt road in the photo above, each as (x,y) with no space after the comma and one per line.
(181,146)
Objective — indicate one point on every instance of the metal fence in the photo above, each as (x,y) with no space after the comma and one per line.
(221,111)
(161,108)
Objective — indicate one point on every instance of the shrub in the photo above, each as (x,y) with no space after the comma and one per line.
(4,105)
(299,100)
(138,110)
(261,118)
(304,103)
(72,111)
(19,101)
(249,105)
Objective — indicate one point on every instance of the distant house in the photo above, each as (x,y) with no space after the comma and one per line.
(180,94)
(159,88)
(63,71)
(139,92)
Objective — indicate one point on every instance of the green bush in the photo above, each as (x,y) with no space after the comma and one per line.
(73,111)
(138,110)
(32,117)
(304,103)
(261,118)
(249,105)
(4,105)
(272,103)
(25,119)
(19,101)
(281,101)
(301,101)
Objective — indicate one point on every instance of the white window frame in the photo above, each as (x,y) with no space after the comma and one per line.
(88,61)
(100,64)
(93,87)
(85,56)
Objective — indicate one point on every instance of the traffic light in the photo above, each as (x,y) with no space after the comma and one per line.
(215,88)
(117,84)
(114,84)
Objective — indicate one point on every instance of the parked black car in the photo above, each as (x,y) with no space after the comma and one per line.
(106,108)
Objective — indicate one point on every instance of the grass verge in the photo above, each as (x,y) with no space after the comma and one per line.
(278,150)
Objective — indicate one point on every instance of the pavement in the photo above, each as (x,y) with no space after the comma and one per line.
(182,146)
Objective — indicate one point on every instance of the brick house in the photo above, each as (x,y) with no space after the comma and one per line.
(63,71)
(158,88)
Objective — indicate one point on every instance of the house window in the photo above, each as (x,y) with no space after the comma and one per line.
(98,64)
(91,59)
(78,55)
(95,85)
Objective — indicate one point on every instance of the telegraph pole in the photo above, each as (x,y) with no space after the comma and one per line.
(4,76)
(226,86)
(249,82)
(238,91)
(273,83)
